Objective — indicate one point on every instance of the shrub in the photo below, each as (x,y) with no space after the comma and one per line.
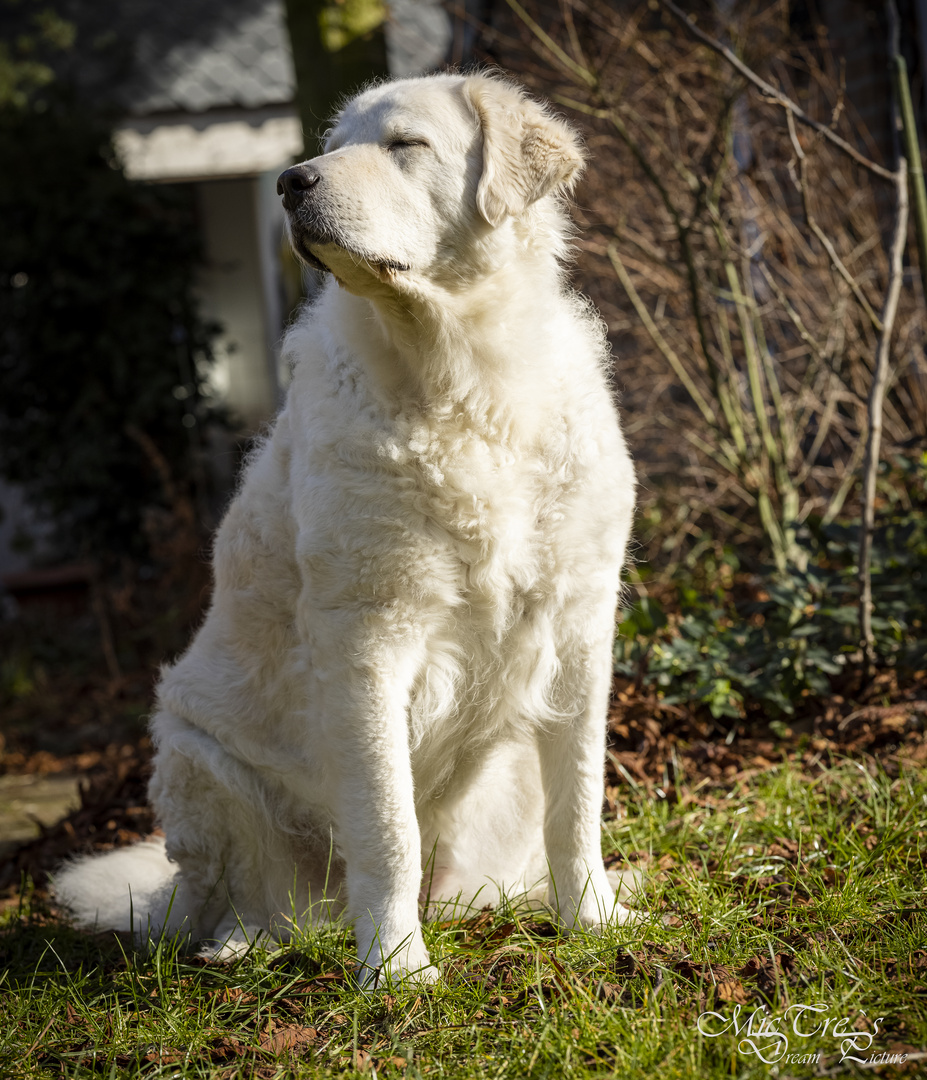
(102,352)
(794,632)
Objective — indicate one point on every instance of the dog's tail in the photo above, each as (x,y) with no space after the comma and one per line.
(135,889)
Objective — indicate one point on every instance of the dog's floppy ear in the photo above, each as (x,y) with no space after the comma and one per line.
(526,153)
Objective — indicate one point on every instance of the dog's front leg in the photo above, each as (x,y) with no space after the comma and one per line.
(373,806)
(572,770)
(381,844)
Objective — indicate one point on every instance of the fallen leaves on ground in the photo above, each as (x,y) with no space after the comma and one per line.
(113,812)
(679,755)
(277,1038)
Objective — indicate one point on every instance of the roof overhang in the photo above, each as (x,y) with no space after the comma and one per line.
(214,145)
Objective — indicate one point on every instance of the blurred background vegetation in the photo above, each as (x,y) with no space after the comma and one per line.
(104,354)
(741,268)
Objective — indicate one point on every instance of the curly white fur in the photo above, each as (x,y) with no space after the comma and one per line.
(400,688)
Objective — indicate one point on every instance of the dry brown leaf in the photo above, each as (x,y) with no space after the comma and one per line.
(230,994)
(625,965)
(499,933)
(502,952)
(608,991)
(227,1047)
(280,1039)
(768,972)
(732,990)
(833,877)
(165,1056)
(784,848)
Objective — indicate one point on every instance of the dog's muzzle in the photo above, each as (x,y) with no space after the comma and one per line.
(295,183)
(310,220)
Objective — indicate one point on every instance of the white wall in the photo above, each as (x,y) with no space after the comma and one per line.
(232,290)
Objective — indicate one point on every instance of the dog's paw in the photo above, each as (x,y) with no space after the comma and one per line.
(621,915)
(409,963)
(626,882)
(390,973)
(231,941)
(597,908)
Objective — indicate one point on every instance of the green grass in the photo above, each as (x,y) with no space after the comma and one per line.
(785,891)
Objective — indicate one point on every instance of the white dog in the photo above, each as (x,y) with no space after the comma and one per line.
(400,689)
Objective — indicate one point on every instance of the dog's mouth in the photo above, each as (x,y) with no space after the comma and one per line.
(388,265)
(310,259)
(308,233)
(383,267)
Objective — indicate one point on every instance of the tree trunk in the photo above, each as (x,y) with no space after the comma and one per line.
(336,49)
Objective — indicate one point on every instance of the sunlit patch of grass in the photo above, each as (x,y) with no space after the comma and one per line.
(784,892)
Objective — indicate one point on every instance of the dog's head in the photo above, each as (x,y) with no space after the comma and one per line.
(417,173)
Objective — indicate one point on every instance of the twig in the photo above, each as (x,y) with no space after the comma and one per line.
(825,241)
(107,641)
(811,457)
(771,91)
(877,391)
(39,1038)
(682,235)
(566,9)
(675,363)
(793,315)
(780,389)
(913,154)
(568,62)
(610,113)
(849,478)
(157,460)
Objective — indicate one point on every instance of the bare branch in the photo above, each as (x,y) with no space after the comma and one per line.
(771,91)
(877,391)
(825,241)
(582,73)
(675,363)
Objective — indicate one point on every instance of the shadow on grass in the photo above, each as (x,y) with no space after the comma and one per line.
(37,944)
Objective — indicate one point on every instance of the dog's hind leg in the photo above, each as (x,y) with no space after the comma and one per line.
(242,862)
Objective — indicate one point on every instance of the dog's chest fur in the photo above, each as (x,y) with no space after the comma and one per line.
(487,561)
(428,501)
(451,529)
(490,503)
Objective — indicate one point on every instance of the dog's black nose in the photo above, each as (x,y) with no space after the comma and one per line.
(294,183)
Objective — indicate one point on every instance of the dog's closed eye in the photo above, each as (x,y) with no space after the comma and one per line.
(406,142)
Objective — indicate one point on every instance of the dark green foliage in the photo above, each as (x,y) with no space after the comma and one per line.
(101,349)
(795,634)
(722,660)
